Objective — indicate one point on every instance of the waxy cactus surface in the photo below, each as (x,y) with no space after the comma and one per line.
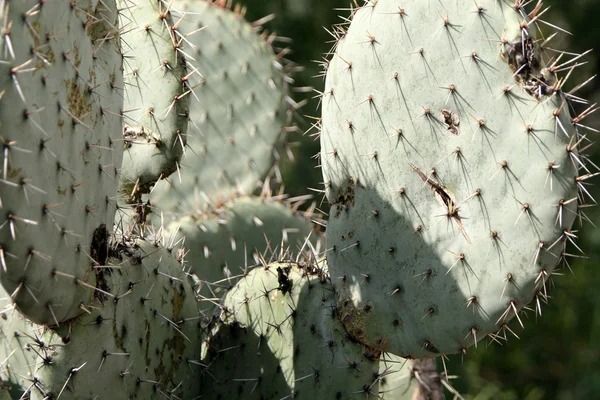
(241,111)
(451,164)
(60,98)
(157,98)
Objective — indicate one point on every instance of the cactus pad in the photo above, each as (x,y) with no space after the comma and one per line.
(60,102)
(157,95)
(292,343)
(451,163)
(237,124)
(140,341)
(224,244)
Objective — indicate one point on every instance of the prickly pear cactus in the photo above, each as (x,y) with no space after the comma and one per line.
(226,243)
(237,123)
(280,337)
(157,95)
(451,163)
(60,102)
(139,341)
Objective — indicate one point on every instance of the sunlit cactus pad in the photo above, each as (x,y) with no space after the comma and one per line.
(241,111)
(280,337)
(451,163)
(61,91)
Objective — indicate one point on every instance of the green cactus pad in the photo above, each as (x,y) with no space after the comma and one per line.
(281,338)
(452,171)
(157,95)
(228,241)
(60,101)
(237,124)
(140,341)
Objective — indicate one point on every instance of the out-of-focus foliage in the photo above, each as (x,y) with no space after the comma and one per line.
(558,354)
(304,22)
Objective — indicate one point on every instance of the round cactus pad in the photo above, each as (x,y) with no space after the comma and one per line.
(452,168)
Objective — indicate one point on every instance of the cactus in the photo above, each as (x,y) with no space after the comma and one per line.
(155,124)
(225,243)
(288,313)
(140,340)
(59,110)
(237,122)
(454,177)
(453,174)
(126,324)
(135,330)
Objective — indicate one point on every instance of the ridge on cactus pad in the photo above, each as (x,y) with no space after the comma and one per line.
(451,163)
(60,103)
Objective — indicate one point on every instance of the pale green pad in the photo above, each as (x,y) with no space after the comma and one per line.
(60,101)
(225,243)
(139,342)
(408,132)
(237,124)
(291,342)
(397,379)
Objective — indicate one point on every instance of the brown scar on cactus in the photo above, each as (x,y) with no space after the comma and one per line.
(522,56)
(447,199)
(79,104)
(344,197)
(98,256)
(451,121)
(355,319)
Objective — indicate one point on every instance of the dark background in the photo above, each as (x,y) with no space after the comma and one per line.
(558,354)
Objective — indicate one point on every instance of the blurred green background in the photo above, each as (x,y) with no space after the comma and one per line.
(557,355)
